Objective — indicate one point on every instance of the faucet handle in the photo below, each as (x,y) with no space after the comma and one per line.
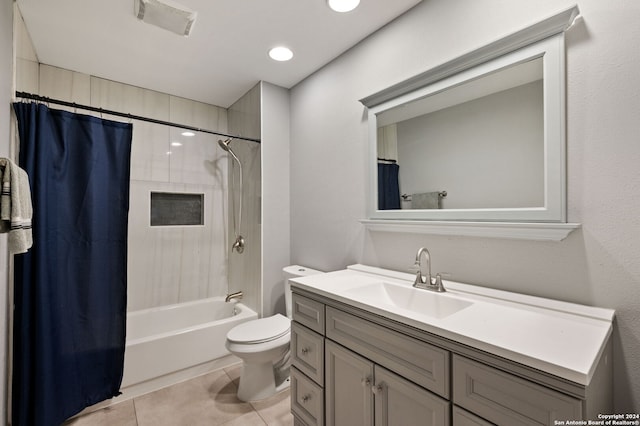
(437,282)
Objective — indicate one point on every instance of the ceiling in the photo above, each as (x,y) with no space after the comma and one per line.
(225,54)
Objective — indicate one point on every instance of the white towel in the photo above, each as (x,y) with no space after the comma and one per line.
(426,200)
(16,210)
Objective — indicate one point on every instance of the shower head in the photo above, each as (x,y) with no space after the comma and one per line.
(224,144)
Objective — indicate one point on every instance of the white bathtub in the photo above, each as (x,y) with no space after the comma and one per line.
(165,340)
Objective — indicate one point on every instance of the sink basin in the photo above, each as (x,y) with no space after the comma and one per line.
(405,298)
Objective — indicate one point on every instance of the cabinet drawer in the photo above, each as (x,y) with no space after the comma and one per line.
(307,399)
(307,351)
(425,364)
(308,313)
(464,418)
(505,399)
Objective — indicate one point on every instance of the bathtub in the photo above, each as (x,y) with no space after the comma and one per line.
(165,340)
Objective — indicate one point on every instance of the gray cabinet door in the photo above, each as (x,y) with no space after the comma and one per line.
(401,402)
(348,385)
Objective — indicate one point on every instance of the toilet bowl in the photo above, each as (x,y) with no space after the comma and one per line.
(263,347)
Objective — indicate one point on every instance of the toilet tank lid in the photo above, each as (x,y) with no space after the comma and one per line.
(260,330)
(299,271)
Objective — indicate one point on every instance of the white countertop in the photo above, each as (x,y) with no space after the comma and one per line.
(560,338)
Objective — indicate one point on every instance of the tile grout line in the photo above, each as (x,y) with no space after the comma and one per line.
(231,380)
(135,411)
(258,413)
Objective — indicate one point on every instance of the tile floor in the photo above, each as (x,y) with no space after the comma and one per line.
(206,400)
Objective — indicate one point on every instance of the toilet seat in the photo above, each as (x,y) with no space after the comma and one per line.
(261,330)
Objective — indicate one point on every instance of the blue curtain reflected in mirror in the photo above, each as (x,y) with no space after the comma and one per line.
(388,187)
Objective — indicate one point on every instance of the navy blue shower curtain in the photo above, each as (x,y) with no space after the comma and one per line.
(70,289)
(388,186)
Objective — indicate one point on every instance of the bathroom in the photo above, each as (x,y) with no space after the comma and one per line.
(314,174)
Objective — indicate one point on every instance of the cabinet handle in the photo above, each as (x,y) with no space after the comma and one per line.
(366,382)
(305,350)
(378,389)
(306,398)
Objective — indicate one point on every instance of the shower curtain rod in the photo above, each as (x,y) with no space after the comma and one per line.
(25,95)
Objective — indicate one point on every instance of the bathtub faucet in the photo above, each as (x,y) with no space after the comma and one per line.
(237,295)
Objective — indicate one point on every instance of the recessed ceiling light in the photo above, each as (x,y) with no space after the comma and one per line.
(188,134)
(176,144)
(343,5)
(281,53)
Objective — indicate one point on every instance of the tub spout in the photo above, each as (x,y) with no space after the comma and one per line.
(237,295)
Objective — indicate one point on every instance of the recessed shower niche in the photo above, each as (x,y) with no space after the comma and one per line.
(176,209)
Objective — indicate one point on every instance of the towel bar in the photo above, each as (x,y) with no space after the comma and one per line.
(407,197)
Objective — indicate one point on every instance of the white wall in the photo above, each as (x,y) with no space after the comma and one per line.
(6,89)
(275,195)
(597,265)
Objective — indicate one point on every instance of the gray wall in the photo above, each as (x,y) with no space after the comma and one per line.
(6,88)
(597,265)
(275,195)
(469,157)
(245,268)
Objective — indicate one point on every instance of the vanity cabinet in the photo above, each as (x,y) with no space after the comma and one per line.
(354,367)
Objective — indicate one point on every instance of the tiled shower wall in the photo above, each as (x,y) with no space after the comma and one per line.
(244,119)
(166,264)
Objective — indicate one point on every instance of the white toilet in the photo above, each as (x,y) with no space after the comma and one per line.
(263,346)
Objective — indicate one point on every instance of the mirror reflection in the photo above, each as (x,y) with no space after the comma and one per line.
(477,145)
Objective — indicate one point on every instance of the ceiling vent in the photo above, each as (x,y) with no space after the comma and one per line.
(166,14)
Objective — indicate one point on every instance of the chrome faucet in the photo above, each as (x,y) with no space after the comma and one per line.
(426,282)
(237,295)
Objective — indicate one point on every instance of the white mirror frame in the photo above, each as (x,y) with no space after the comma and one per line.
(545,39)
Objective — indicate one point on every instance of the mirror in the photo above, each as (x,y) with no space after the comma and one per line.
(483,142)
(455,149)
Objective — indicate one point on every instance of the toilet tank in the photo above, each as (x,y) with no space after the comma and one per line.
(294,271)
